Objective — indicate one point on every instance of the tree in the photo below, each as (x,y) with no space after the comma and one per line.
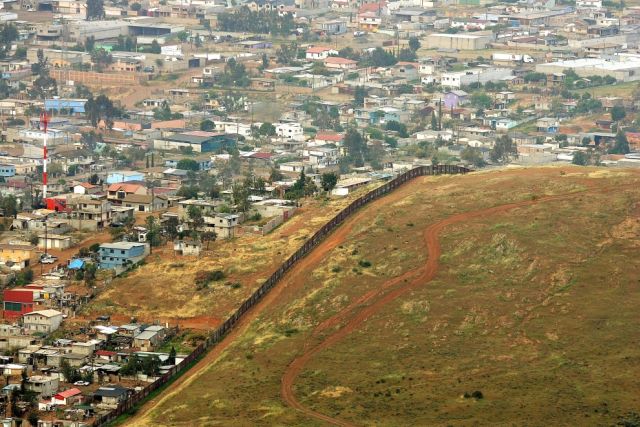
(136,7)
(407,55)
(502,150)
(379,58)
(434,121)
(155,47)
(101,58)
(163,112)
(95,9)
(99,109)
(183,36)
(188,164)
(172,356)
(267,129)
(356,147)
(621,145)
(194,213)
(414,43)
(8,34)
(209,236)
(473,156)
(359,94)
(328,181)
(580,158)
(481,100)
(44,86)
(207,125)
(265,61)
(153,232)
(396,126)
(618,113)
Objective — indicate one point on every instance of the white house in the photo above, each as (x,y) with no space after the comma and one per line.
(482,75)
(320,52)
(290,131)
(42,321)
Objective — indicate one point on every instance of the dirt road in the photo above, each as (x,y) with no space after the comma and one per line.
(294,279)
(65,255)
(396,288)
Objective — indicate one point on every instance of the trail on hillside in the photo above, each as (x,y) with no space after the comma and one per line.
(397,287)
(296,278)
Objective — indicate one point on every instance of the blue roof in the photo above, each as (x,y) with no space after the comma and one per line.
(76,264)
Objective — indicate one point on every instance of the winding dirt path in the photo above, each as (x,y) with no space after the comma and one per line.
(397,287)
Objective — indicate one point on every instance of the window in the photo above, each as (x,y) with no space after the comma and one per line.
(12,306)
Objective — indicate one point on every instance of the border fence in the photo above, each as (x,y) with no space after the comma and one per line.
(309,244)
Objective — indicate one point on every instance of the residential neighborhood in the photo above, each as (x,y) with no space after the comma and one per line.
(134,128)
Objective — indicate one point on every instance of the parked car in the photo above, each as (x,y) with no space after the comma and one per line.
(48,259)
(85,383)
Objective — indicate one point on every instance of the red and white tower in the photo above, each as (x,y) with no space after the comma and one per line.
(44,122)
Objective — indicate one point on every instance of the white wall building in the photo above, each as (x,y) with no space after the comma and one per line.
(481,75)
(290,131)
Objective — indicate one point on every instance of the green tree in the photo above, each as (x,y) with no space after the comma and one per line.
(503,149)
(267,129)
(188,164)
(473,156)
(155,47)
(8,34)
(434,121)
(618,113)
(481,100)
(136,7)
(44,86)
(172,356)
(414,43)
(101,108)
(328,181)
(359,94)
(207,125)
(194,213)
(356,147)
(621,145)
(580,158)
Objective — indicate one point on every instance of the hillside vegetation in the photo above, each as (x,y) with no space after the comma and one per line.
(528,316)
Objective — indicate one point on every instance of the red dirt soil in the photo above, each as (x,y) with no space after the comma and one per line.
(424,274)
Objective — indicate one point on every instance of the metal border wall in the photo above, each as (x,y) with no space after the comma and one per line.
(308,245)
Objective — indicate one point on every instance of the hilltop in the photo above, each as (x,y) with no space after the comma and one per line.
(527,314)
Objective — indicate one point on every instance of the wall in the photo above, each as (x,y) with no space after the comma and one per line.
(311,243)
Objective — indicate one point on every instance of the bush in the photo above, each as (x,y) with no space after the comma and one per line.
(364,263)
(203,278)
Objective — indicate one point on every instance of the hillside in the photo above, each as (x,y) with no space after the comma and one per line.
(518,288)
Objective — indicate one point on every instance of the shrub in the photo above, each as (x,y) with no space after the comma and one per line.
(364,263)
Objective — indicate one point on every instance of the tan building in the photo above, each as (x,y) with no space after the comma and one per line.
(16,256)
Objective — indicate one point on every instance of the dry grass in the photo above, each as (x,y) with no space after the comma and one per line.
(535,307)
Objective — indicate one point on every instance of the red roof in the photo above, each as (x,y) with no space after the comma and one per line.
(329,136)
(68,393)
(86,185)
(127,188)
(372,7)
(105,353)
(318,49)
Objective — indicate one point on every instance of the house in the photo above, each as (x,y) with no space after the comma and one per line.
(17,302)
(481,75)
(187,247)
(334,27)
(124,176)
(67,397)
(7,171)
(110,396)
(16,256)
(196,141)
(88,213)
(290,131)
(44,386)
(347,185)
(149,339)
(45,321)
(116,193)
(322,156)
(223,224)
(369,21)
(121,255)
(146,202)
(455,98)
(54,241)
(85,188)
(320,52)
(338,63)
(324,138)
(548,125)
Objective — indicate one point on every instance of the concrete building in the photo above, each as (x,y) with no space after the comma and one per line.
(477,41)
(481,75)
(121,255)
(45,321)
(622,68)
